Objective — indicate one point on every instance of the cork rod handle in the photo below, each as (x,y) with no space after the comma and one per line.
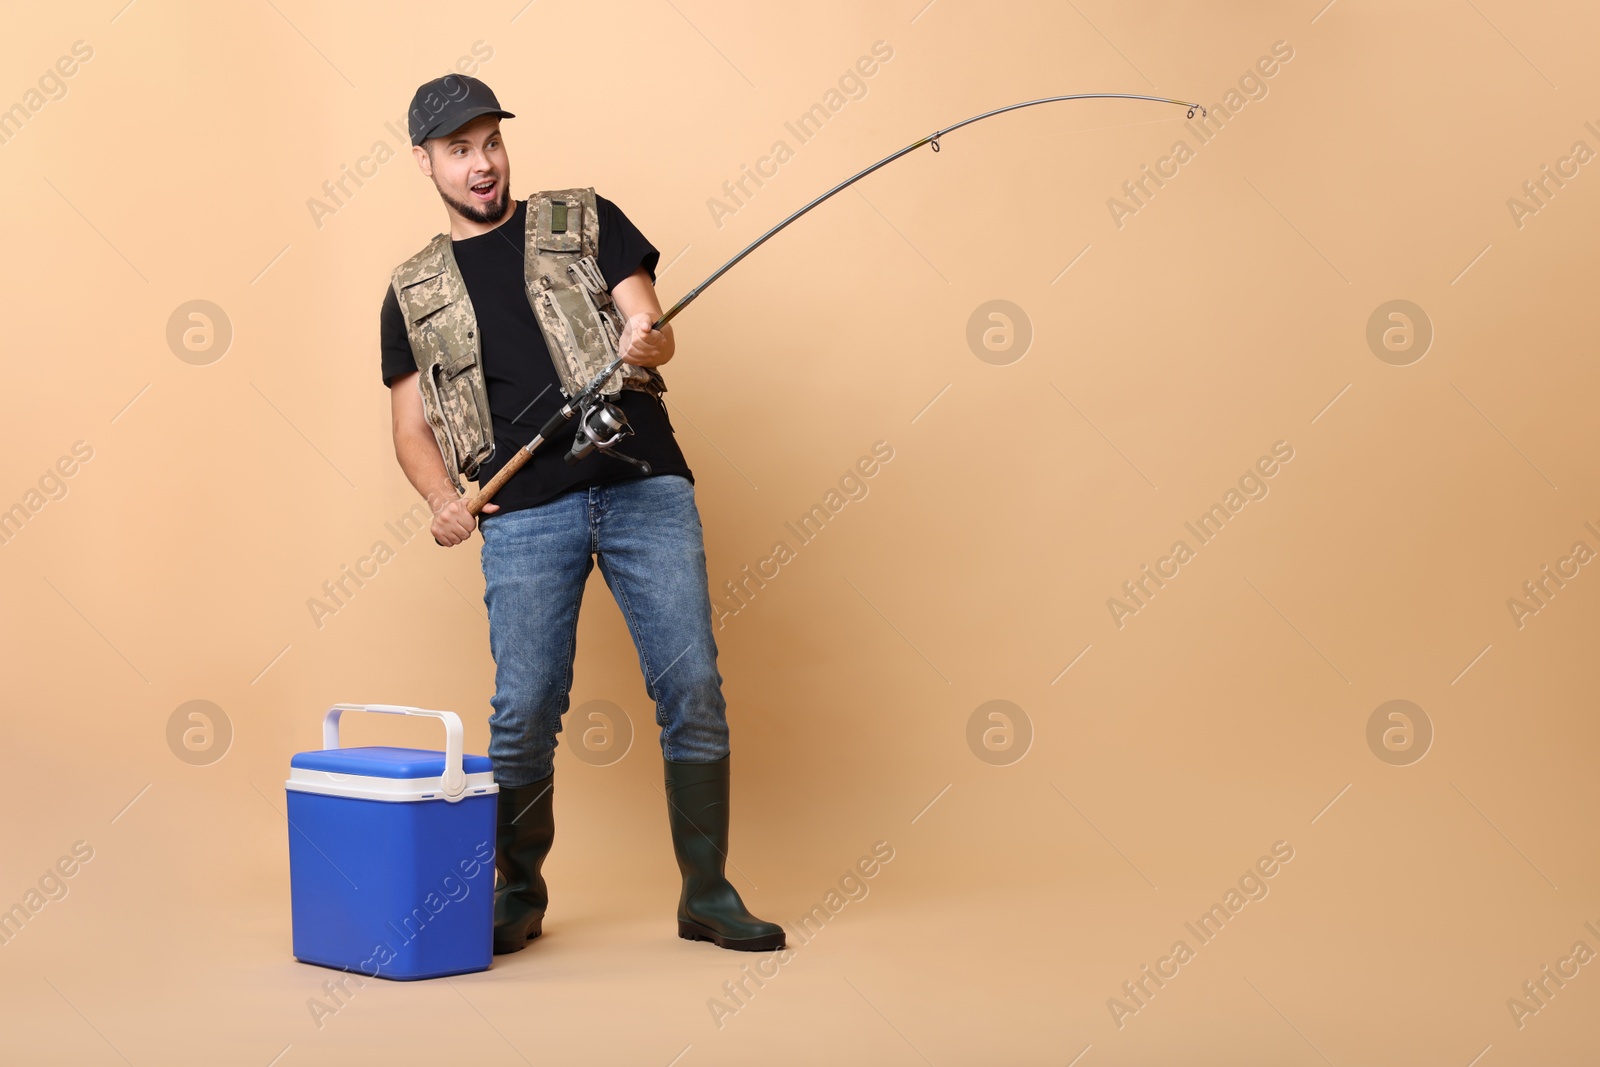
(476,502)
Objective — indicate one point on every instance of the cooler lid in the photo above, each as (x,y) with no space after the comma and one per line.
(382,772)
(384,761)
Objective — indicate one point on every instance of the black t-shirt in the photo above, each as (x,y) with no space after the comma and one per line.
(524,391)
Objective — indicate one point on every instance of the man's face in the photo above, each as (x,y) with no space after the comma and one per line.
(470,169)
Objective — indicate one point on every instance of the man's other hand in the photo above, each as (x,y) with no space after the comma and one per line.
(642,346)
(453,523)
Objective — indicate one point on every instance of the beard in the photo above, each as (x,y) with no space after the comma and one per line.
(493,211)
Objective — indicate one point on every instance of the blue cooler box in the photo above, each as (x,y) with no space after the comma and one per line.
(391,854)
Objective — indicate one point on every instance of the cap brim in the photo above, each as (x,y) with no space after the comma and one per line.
(456,123)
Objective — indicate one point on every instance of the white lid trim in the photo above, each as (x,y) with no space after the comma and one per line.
(367,787)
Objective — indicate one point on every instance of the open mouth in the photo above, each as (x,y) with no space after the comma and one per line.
(485,190)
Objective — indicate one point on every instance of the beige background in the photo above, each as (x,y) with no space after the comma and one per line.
(1230,312)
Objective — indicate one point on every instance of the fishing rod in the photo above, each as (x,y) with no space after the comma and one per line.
(603,423)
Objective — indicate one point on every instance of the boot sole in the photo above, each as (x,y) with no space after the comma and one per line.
(693,931)
(505,948)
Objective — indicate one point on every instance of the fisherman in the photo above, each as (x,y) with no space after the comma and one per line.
(485,333)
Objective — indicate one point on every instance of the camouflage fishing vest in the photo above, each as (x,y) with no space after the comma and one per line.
(580,323)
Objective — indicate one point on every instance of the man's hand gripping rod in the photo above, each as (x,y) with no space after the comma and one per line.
(575,405)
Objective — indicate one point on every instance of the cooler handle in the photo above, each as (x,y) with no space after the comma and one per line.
(454,781)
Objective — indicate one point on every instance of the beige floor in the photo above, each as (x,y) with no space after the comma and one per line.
(988,938)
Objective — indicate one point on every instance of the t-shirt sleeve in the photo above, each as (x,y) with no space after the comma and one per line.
(396,345)
(623,249)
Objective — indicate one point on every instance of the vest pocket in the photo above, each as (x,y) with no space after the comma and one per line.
(546,237)
(425,298)
(449,327)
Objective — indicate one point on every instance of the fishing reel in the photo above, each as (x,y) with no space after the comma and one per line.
(601,424)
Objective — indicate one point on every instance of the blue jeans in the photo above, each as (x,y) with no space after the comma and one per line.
(646,534)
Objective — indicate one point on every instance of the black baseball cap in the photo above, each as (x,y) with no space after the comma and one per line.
(446,104)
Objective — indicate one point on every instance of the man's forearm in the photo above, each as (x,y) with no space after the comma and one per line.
(419,457)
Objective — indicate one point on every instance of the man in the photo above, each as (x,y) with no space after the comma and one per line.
(466,329)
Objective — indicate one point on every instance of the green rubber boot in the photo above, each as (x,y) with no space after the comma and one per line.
(710,908)
(525,827)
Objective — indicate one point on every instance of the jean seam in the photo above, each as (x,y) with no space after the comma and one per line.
(633,625)
(566,680)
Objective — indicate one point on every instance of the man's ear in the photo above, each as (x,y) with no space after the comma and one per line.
(424,161)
